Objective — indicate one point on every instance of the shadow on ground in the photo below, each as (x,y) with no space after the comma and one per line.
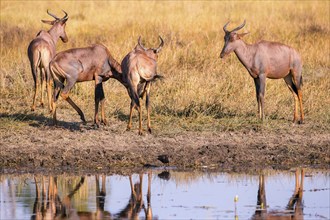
(40,120)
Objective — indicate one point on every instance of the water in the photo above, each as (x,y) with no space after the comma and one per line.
(167,195)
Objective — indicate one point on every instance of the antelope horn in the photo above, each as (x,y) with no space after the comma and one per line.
(54,16)
(65,16)
(140,44)
(160,45)
(239,27)
(225,27)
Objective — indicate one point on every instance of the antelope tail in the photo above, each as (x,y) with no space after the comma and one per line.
(157,77)
(135,97)
(53,69)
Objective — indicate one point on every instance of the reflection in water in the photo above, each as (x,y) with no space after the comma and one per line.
(165,175)
(135,203)
(294,208)
(99,213)
(49,205)
(176,195)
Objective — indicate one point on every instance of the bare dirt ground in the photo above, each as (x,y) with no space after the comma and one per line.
(37,146)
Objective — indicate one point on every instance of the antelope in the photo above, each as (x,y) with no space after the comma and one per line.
(41,50)
(80,65)
(266,59)
(139,70)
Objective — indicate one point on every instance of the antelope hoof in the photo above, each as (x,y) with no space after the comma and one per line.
(128,128)
(140,132)
(104,122)
(149,130)
(96,125)
(295,121)
(33,108)
(41,104)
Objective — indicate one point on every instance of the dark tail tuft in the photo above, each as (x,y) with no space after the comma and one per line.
(157,77)
(57,82)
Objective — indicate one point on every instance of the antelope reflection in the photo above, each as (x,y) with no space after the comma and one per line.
(52,207)
(136,203)
(294,208)
(100,194)
(48,204)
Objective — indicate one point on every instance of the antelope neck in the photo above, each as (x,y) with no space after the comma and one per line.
(245,53)
(53,33)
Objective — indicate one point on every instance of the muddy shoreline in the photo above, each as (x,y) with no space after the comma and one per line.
(46,149)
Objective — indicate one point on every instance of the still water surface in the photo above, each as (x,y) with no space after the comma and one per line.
(159,194)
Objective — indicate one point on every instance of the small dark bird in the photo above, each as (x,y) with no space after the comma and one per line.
(165,175)
(163,158)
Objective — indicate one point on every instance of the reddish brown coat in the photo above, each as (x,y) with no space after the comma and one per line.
(80,65)
(139,70)
(266,59)
(41,50)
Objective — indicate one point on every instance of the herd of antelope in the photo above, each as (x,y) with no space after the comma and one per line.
(138,69)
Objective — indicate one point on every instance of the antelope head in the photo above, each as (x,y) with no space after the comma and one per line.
(231,39)
(58,25)
(151,52)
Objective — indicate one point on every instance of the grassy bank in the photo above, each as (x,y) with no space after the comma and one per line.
(200,91)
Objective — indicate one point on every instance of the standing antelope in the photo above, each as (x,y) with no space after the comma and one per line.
(139,70)
(80,65)
(266,59)
(41,50)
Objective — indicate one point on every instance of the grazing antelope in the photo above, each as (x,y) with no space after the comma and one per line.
(80,65)
(41,50)
(140,69)
(266,59)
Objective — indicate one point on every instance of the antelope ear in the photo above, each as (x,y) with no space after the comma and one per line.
(242,35)
(48,22)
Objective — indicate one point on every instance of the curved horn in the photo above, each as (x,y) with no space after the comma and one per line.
(239,27)
(65,16)
(54,16)
(139,42)
(160,45)
(225,27)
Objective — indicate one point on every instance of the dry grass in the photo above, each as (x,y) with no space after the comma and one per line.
(200,91)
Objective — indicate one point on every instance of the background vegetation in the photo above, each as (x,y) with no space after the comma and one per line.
(200,91)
